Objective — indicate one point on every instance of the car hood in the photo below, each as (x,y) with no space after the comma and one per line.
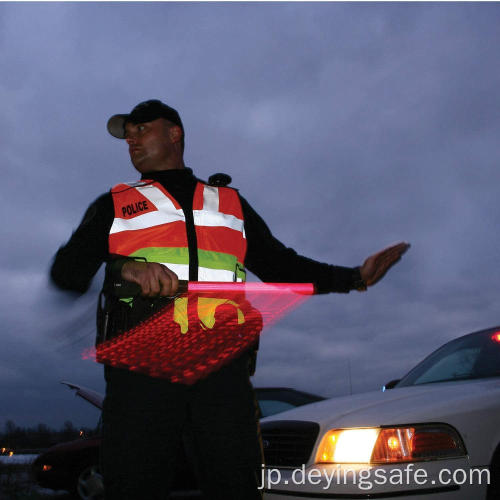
(89,395)
(440,402)
(76,444)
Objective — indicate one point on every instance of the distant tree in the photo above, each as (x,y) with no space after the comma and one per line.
(43,429)
(12,434)
(69,432)
(10,427)
(68,426)
(40,436)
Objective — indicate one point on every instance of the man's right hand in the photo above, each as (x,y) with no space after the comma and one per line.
(153,278)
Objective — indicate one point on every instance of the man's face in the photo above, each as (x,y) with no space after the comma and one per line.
(151,144)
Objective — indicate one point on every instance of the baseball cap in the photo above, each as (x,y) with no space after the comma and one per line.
(146,111)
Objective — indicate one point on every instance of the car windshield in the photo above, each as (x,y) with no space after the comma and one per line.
(470,357)
(271,407)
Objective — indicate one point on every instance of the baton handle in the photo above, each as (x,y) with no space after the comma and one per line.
(123,288)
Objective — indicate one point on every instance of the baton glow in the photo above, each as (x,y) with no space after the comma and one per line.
(201,330)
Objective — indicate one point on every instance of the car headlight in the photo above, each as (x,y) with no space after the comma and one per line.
(390,445)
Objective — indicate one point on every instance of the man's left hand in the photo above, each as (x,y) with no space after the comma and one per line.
(375,266)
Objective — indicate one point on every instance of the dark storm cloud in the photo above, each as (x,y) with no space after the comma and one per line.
(347,127)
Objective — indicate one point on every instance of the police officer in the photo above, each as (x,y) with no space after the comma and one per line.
(145,419)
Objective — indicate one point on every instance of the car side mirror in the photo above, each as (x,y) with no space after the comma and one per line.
(390,385)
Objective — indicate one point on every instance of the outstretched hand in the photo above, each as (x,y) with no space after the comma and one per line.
(375,266)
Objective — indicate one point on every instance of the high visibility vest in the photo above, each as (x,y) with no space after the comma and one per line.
(150,223)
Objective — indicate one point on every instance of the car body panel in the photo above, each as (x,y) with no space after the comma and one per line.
(93,397)
(471,407)
(66,460)
(459,404)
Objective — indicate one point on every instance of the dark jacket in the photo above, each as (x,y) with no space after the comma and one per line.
(76,263)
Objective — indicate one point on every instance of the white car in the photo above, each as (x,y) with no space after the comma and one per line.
(435,434)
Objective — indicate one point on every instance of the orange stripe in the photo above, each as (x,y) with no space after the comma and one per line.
(198,197)
(221,239)
(168,235)
(229,202)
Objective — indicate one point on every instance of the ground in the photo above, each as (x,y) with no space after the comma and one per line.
(16,484)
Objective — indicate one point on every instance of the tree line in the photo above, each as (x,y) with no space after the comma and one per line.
(40,436)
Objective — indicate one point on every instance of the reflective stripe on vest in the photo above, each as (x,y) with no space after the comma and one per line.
(150,223)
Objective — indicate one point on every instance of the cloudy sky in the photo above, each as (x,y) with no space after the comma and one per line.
(347,126)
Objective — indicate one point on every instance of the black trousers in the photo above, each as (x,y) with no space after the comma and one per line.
(145,421)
